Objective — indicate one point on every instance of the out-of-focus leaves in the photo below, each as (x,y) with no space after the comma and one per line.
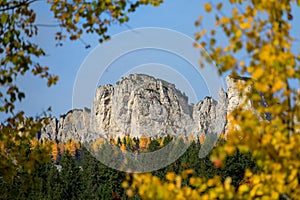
(258,37)
(20,55)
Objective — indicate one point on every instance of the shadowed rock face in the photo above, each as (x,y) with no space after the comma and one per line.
(140,105)
(73,125)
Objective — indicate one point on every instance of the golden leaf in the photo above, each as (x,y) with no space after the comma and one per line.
(207,7)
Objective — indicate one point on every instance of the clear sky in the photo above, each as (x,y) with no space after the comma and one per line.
(178,15)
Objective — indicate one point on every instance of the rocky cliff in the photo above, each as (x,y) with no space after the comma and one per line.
(140,105)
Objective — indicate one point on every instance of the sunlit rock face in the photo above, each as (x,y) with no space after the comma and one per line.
(210,114)
(140,105)
(236,93)
(143,106)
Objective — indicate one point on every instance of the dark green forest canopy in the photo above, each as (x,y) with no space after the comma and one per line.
(83,177)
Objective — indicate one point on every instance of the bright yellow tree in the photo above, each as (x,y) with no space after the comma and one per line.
(54,152)
(258,45)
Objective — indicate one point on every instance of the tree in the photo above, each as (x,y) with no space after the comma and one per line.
(90,176)
(71,147)
(71,184)
(55,152)
(257,44)
(53,184)
(20,55)
(154,145)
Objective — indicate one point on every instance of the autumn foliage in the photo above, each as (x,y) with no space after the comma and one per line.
(258,44)
(21,54)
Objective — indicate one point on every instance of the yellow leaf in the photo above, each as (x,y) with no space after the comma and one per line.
(242,63)
(235,12)
(171,186)
(225,20)
(277,86)
(178,181)
(170,176)
(203,32)
(291,71)
(229,149)
(76,19)
(210,182)
(205,197)
(125,184)
(274,195)
(266,139)
(293,174)
(185,173)
(207,7)
(245,25)
(243,188)
(238,33)
(257,73)
(227,183)
(255,180)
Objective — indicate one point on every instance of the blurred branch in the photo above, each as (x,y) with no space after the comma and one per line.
(12,7)
(47,25)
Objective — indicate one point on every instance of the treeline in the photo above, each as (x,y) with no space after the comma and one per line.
(73,173)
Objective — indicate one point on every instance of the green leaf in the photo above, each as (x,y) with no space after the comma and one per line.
(4,18)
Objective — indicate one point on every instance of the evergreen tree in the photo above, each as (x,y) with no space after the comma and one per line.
(54,184)
(153,146)
(119,141)
(71,184)
(90,176)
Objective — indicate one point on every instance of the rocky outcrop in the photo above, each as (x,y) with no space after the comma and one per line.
(140,105)
(236,93)
(73,125)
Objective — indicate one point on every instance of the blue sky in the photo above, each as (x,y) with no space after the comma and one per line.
(178,15)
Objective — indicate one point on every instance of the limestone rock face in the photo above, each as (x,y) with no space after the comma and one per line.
(141,105)
(204,113)
(49,131)
(101,110)
(235,93)
(74,125)
(210,114)
(74,122)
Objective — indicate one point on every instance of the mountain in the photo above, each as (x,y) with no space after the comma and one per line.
(143,106)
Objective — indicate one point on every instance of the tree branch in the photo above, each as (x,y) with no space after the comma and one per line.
(47,25)
(20,4)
